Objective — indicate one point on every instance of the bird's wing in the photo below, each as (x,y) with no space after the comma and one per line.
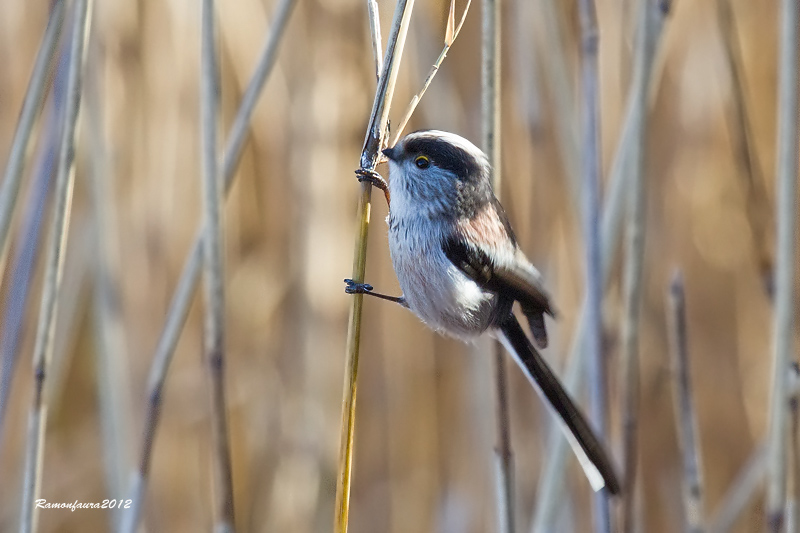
(508,277)
(484,248)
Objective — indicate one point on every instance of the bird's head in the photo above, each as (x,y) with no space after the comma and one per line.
(438,171)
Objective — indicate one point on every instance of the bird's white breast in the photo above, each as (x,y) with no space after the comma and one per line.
(435,290)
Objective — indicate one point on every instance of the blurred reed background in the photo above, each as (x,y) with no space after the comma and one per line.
(424,430)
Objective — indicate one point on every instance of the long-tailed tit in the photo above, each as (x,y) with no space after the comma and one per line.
(460,269)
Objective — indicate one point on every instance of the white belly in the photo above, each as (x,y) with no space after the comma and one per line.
(434,289)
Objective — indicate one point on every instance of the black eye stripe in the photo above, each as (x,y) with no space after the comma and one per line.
(445,155)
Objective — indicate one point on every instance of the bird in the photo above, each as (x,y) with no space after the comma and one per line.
(461,270)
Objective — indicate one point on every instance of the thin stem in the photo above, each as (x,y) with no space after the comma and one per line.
(29,236)
(373,142)
(213,272)
(503,453)
(793,500)
(598,406)
(786,204)
(54,268)
(634,257)
(111,357)
(187,284)
(375,32)
(757,203)
(9,189)
(434,69)
(490,89)
(562,92)
(491,140)
(22,272)
(241,123)
(525,48)
(685,417)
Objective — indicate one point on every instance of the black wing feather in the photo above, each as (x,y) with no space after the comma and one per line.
(477,264)
(514,280)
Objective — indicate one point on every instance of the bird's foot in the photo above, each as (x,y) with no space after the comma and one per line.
(352,287)
(372,177)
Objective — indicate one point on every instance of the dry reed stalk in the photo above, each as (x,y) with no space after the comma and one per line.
(793,500)
(491,140)
(187,284)
(524,49)
(29,235)
(54,267)
(32,102)
(503,454)
(370,154)
(648,22)
(685,417)
(111,358)
(786,205)
(561,90)
(375,34)
(213,273)
(23,268)
(598,405)
(741,131)
(72,305)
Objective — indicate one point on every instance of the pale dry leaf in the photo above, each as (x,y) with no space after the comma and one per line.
(449,35)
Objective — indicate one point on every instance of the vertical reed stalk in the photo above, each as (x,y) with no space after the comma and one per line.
(30,236)
(786,203)
(34,95)
(187,284)
(54,268)
(490,103)
(503,454)
(22,272)
(685,417)
(562,92)
(634,256)
(111,357)
(793,500)
(213,272)
(743,144)
(370,153)
(598,406)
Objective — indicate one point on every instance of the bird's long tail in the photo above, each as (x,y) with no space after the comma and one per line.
(590,451)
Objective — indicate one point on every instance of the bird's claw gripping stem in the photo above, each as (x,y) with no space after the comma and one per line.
(375,179)
(352,287)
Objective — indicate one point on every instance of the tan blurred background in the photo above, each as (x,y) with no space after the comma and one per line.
(424,425)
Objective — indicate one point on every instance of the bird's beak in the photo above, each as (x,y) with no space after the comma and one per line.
(389,152)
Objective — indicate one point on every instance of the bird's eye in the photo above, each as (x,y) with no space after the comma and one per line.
(422,162)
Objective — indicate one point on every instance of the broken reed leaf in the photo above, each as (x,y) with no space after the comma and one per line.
(449,34)
(375,33)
